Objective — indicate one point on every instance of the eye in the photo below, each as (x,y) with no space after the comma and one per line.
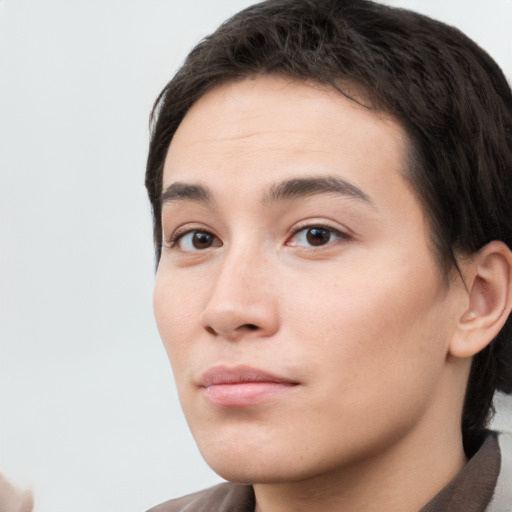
(195,240)
(315,236)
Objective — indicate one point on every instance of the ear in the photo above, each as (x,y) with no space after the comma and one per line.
(488,279)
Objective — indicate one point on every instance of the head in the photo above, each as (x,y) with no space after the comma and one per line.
(442,97)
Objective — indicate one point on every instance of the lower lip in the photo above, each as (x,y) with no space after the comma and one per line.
(245,393)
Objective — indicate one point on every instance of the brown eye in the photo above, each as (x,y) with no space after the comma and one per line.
(318,236)
(201,240)
(196,240)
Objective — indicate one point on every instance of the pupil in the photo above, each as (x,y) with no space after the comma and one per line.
(201,240)
(318,236)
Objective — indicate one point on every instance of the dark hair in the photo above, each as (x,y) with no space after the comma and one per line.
(448,94)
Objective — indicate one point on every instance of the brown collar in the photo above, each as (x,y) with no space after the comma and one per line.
(472,489)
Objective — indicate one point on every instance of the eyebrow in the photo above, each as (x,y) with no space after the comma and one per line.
(294,188)
(304,187)
(184,191)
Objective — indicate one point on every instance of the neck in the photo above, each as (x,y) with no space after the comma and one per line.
(402,478)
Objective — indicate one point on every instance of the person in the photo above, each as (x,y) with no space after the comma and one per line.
(330,182)
(13,499)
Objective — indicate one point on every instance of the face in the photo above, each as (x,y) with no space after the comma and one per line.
(297,296)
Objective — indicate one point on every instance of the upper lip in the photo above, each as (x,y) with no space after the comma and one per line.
(217,375)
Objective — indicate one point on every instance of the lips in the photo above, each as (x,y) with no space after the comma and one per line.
(242,386)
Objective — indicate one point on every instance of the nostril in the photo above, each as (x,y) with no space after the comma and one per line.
(229,333)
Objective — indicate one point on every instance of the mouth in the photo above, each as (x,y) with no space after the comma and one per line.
(242,386)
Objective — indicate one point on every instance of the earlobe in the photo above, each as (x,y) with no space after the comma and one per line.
(489,285)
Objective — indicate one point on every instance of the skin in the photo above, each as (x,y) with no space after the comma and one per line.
(361,323)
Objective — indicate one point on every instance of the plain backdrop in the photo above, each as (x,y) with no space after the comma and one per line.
(89,414)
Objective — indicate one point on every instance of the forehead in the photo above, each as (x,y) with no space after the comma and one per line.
(254,132)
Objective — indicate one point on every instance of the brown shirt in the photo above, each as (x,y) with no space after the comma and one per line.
(470,491)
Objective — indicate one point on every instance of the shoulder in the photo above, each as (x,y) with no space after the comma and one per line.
(224,497)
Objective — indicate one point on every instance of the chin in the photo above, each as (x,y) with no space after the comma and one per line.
(249,462)
(254,471)
(264,455)
(238,463)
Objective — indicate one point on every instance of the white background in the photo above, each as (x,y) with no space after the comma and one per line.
(89,415)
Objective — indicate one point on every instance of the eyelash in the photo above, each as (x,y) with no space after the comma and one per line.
(339,235)
(180,234)
(333,232)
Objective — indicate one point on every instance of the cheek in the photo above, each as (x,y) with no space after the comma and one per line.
(175,307)
(372,328)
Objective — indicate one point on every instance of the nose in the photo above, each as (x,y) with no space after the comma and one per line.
(243,300)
